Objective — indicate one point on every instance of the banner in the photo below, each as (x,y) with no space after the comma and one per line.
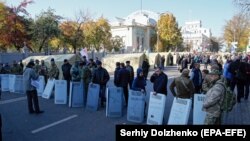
(41,82)
(93,97)
(156,109)
(198,114)
(18,85)
(60,92)
(136,106)
(12,78)
(4,82)
(114,102)
(180,111)
(49,88)
(76,97)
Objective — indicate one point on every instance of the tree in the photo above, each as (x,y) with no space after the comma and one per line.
(45,28)
(244,5)
(237,30)
(169,33)
(116,43)
(13,25)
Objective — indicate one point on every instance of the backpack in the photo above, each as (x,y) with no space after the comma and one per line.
(229,99)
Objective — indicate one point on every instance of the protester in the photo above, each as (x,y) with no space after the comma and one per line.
(31,92)
(44,71)
(196,77)
(145,68)
(66,73)
(214,98)
(116,82)
(184,86)
(139,82)
(123,80)
(160,81)
(101,77)
(54,71)
(131,72)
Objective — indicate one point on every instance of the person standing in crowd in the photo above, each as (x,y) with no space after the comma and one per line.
(86,75)
(205,81)
(16,69)
(160,81)
(139,84)
(75,73)
(226,73)
(184,64)
(66,73)
(54,71)
(44,71)
(247,83)
(37,67)
(184,86)
(145,68)
(123,80)
(117,69)
(92,65)
(101,77)
(31,92)
(85,59)
(162,62)
(131,72)
(196,77)
(214,98)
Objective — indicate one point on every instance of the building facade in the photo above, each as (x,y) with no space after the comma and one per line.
(135,30)
(195,36)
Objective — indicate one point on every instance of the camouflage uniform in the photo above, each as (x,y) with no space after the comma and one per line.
(16,69)
(206,85)
(86,77)
(54,72)
(37,68)
(212,103)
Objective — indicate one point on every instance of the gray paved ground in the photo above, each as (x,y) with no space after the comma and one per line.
(83,125)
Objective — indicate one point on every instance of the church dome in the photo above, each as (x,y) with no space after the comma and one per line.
(142,17)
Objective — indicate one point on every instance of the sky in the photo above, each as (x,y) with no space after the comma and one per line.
(212,13)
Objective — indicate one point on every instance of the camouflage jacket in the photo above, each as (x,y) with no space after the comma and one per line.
(17,70)
(206,85)
(54,72)
(214,98)
(86,74)
(184,86)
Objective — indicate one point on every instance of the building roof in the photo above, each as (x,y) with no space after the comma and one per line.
(140,17)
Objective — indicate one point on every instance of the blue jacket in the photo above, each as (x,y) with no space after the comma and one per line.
(139,82)
(196,77)
(160,83)
(226,73)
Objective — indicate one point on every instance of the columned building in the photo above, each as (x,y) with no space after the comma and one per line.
(135,30)
(195,36)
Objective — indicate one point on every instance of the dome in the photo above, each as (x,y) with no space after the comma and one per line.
(143,17)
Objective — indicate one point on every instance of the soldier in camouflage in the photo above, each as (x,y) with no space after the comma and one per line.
(37,67)
(214,98)
(16,69)
(53,71)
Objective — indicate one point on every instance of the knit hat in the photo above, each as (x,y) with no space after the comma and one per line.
(185,72)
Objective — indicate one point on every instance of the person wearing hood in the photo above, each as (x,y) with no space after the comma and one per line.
(74,72)
(184,86)
(139,82)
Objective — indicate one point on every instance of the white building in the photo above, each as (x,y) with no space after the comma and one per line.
(135,30)
(196,36)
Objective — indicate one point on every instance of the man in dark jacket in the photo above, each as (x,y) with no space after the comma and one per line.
(131,72)
(160,80)
(123,80)
(66,73)
(145,68)
(101,77)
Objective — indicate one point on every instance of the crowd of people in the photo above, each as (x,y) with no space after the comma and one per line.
(235,71)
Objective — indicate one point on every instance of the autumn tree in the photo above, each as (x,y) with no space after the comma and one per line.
(13,25)
(237,30)
(45,28)
(116,43)
(169,33)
